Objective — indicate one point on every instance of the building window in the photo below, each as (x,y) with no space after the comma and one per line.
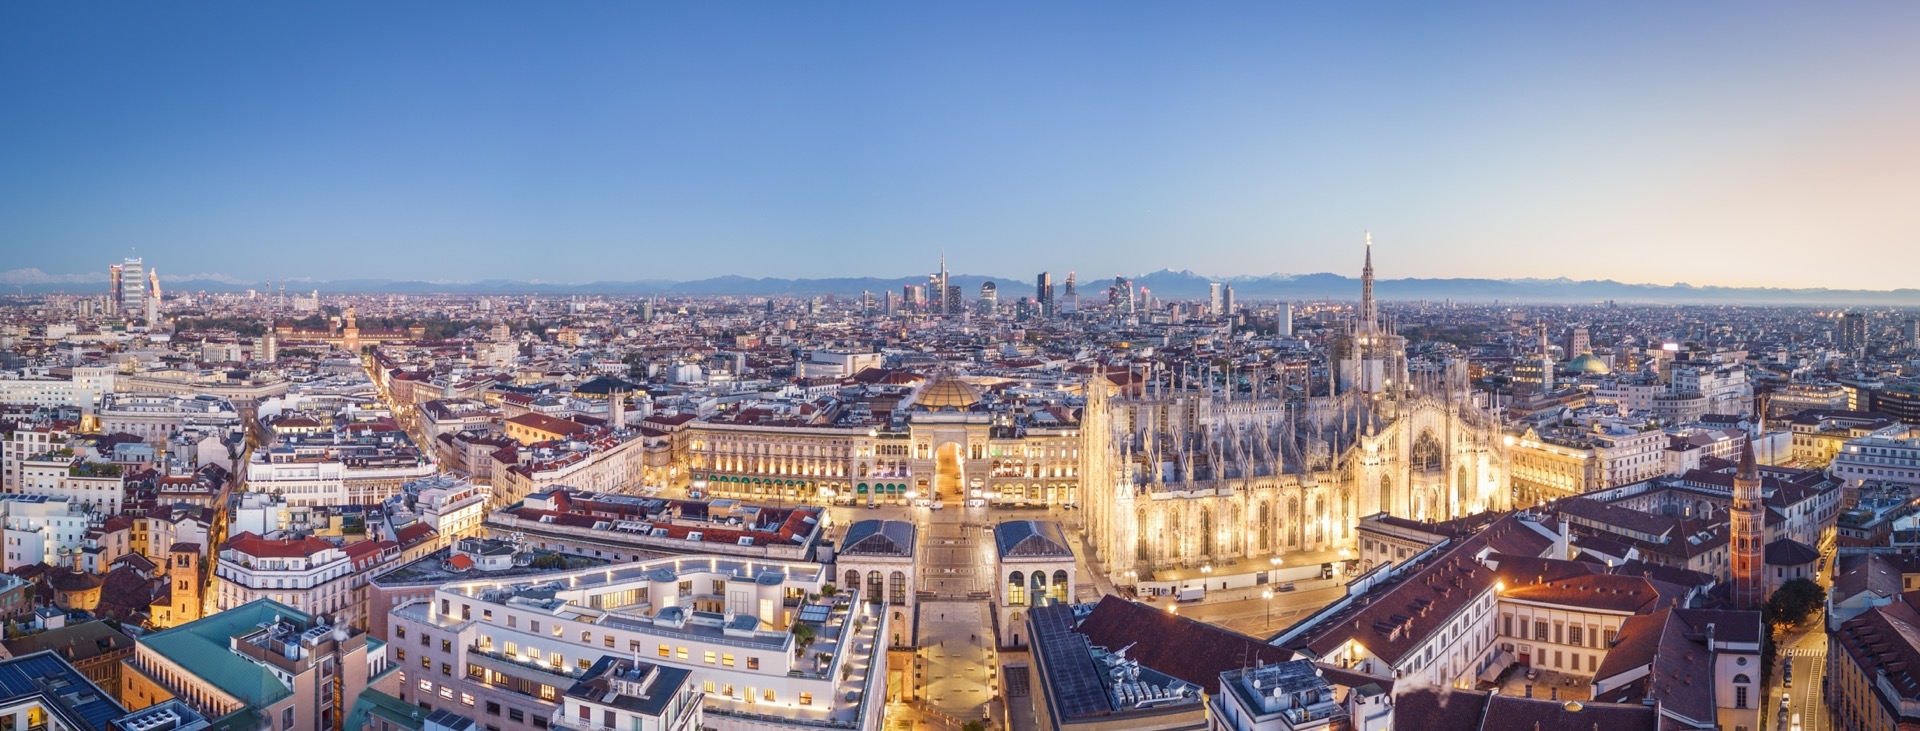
(806,699)
(446,645)
(768,695)
(493,709)
(466,699)
(753,663)
(710,657)
(726,659)
(680,653)
(607,640)
(666,651)
(1540,631)
(516,715)
(1573,635)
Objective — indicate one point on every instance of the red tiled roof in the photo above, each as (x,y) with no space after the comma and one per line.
(252,544)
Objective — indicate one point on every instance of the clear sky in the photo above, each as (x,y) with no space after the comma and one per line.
(1734,143)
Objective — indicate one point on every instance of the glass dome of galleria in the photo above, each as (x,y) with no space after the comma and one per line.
(947,392)
(1589,363)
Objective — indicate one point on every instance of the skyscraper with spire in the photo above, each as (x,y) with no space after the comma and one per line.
(1748,531)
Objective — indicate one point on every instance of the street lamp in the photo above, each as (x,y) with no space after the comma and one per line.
(1267,596)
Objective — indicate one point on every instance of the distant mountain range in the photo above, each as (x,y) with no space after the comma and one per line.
(1164,284)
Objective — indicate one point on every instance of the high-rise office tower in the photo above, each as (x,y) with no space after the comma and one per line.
(1853,331)
(1215,306)
(1285,324)
(1579,342)
(1043,294)
(1226,300)
(116,278)
(132,286)
(1070,299)
(989,298)
(887,304)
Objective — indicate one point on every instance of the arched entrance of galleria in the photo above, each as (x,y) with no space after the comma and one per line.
(949,473)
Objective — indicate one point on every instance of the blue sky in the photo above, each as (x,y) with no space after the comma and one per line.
(1712,143)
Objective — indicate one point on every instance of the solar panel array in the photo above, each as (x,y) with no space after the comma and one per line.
(1071,677)
(66,687)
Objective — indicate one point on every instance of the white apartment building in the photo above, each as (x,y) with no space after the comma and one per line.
(332,477)
(307,573)
(155,417)
(98,487)
(1890,457)
(479,646)
(838,363)
(1724,387)
(170,526)
(22,444)
(82,390)
(454,507)
(41,529)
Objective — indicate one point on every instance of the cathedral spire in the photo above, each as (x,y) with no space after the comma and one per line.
(1369,317)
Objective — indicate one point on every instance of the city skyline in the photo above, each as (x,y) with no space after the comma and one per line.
(1640,144)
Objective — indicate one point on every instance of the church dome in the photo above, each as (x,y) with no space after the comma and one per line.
(1589,364)
(947,392)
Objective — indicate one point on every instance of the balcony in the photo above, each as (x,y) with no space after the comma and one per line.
(561,678)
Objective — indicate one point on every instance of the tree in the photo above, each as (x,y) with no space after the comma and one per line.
(1796,600)
(803,635)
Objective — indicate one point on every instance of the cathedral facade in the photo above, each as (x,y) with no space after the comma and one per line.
(1177,478)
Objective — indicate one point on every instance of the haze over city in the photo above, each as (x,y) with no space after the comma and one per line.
(1751,144)
(860,366)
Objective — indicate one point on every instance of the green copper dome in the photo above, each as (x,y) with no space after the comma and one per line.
(1589,364)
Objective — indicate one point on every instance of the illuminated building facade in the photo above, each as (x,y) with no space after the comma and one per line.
(1178,477)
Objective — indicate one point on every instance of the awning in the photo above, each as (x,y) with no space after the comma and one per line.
(1499,664)
(862,488)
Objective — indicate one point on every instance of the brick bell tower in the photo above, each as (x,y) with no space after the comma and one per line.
(1748,534)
